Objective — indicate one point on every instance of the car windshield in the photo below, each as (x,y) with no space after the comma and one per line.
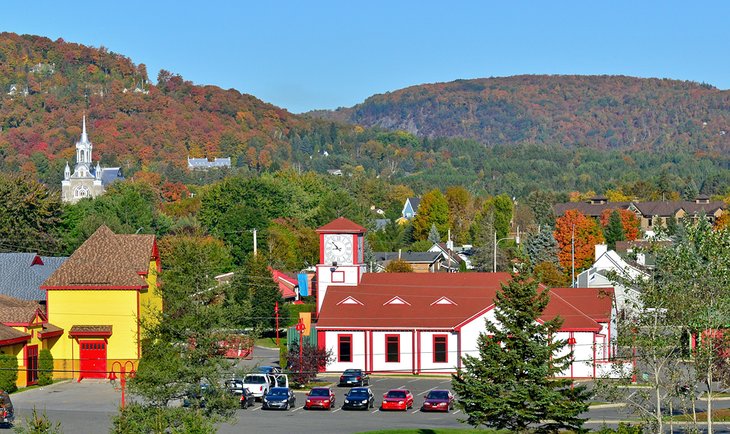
(279,392)
(254,379)
(319,392)
(396,394)
(358,394)
(352,372)
(438,394)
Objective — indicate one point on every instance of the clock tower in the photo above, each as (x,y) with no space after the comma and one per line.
(341,256)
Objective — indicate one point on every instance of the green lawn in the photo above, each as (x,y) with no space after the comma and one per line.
(720,415)
(268,342)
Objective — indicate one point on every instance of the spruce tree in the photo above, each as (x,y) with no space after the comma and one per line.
(614,230)
(511,384)
(433,235)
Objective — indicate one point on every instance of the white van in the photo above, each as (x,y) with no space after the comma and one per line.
(259,384)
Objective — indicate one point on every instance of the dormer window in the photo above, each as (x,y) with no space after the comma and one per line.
(350,300)
(396,301)
(444,301)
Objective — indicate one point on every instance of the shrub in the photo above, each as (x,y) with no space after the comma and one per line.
(39,424)
(45,367)
(313,360)
(8,373)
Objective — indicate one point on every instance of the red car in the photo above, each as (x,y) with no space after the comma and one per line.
(397,399)
(320,397)
(438,400)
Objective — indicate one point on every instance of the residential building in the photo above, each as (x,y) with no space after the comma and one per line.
(610,269)
(99,297)
(87,180)
(23,273)
(205,164)
(410,208)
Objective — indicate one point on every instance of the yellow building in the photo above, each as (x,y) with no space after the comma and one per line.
(99,297)
(24,331)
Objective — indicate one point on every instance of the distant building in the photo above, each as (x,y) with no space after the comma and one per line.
(205,164)
(86,180)
(23,273)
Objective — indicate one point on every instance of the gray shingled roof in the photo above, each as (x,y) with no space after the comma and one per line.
(21,279)
(412,257)
(110,175)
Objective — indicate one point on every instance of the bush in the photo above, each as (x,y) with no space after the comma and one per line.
(45,368)
(38,424)
(314,359)
(623,428)
(8,373)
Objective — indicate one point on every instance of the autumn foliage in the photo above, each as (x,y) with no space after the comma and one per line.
(629,221)
(587,234)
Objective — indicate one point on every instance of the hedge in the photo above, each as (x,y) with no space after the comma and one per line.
(45,368)
(8,373)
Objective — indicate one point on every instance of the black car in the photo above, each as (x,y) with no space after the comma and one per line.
(354,377)
(279,397)
(359,398)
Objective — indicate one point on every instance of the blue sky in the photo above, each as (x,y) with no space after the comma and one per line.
(304,55)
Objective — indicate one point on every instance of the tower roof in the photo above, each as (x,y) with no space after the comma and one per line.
(342,225)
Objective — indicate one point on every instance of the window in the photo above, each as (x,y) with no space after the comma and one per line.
(344,348)
(440,349)
(392,348)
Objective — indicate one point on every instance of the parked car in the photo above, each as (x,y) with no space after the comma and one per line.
(197,395)
(397,399)
(258,384)
(268,370)
(236,388)
(279,397)
(354,377)
(320,397)
(7,413)
(438,400)
(359,398)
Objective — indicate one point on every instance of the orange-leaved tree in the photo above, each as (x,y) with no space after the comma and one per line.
(587,234)
(629,221)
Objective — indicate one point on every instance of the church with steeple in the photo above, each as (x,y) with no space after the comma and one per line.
(86,180)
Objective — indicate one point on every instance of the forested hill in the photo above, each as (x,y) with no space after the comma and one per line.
(46,86)
(600,112)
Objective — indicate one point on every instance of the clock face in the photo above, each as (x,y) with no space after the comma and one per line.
(338,248)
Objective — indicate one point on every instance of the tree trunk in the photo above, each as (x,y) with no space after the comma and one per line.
(709,400)
(658,415)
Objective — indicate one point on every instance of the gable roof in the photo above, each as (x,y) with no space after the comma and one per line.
(470,296)
(23,273)
(16,311)
(285,283)
(596,303)
(9,336)
(106,261)
(415,203)
(342,225)
(410,257)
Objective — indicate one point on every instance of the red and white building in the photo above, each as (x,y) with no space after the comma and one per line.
(425,323)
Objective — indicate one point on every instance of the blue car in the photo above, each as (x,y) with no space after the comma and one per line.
(279,397)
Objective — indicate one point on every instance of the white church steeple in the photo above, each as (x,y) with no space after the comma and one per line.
(83,154)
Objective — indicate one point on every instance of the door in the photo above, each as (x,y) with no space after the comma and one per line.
(31,364)
(92,359)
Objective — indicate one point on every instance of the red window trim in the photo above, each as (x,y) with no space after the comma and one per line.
(339,341)
(446,348)
(338,277)
(387,353)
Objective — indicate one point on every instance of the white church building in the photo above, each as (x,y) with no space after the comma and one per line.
(87,180)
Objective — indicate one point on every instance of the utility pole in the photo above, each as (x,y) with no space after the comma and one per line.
(572,255)
(494,253)
(254,242)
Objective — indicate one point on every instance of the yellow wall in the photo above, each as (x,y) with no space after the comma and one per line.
(150,300)
(117,308)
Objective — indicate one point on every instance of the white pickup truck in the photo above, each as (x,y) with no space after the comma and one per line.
(259,384)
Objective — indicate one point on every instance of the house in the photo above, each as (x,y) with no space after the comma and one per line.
(23,273)
(205,164)
(421,262)
(410,208)
(610,269)
(412,323)
(451,260)
(426,323)
(651,212)
(24,331)
(99,297)
(288,285)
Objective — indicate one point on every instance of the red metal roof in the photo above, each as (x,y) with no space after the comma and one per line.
(285,282)
(417,296)
(597,303)
(342,225)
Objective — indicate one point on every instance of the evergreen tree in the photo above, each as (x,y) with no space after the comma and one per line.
(253,288)
(541,247)
(433,235)
(511,384)
(690,191)
(483,256)
(614,230)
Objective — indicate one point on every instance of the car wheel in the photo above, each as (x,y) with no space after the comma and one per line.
(286,406)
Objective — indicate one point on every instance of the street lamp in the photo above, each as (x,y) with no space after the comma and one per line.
(300,327)
(123,373)
(516,238)
(276,314)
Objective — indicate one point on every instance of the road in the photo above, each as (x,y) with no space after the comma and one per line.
(87,407)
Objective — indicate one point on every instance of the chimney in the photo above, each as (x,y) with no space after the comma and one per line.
(449,243)
(640,259)
(600,249)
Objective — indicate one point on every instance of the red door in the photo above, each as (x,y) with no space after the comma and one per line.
(31,364)
(92,355)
